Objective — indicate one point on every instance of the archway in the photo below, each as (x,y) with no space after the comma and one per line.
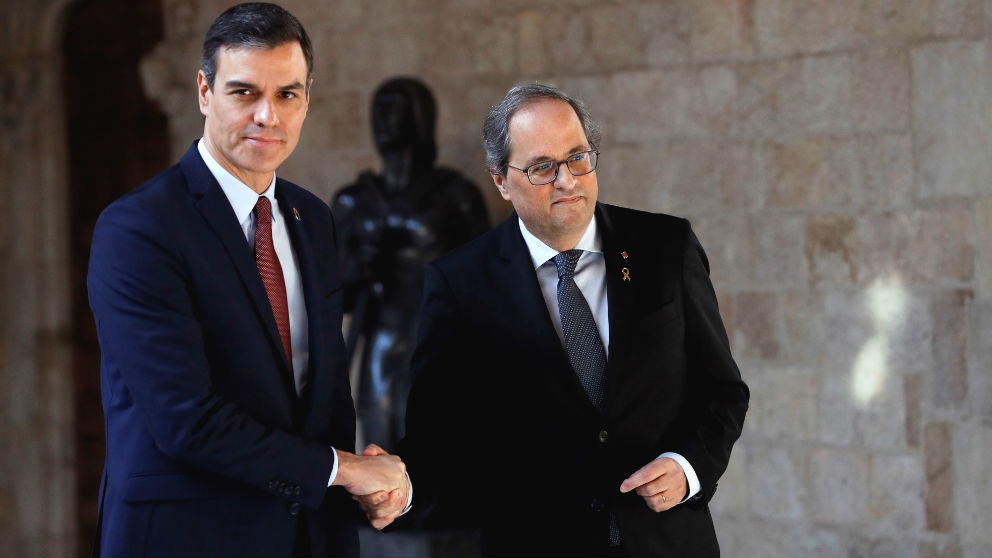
(116,139)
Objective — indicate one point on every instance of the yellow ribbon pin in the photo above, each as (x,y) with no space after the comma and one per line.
(626,274)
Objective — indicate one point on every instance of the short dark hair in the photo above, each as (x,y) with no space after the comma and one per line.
(496,129)
(258,25)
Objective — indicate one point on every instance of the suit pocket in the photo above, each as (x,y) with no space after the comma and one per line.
(660,316)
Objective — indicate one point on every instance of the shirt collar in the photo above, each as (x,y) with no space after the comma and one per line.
(242,198)
(540,252)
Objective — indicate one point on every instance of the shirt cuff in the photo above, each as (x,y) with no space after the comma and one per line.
(409,498)
(690,473)
(334,469)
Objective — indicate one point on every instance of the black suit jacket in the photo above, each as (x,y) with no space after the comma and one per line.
(210,451)
(499,431)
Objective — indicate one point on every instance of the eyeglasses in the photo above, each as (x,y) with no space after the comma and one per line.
(546,172)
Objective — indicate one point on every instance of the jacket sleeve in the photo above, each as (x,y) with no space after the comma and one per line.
(439,447)
(717,396)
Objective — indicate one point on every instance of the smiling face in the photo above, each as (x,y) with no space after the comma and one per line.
(557,213)
(255,110)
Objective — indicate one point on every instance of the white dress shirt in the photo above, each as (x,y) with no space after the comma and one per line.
(590,277)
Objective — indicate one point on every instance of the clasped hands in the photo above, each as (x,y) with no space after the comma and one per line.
(662,483)
(377,481)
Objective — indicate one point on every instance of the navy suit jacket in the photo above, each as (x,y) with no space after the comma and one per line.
(498,418)
(210,451)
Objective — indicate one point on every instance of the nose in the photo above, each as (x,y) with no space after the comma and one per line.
(565,180)
(265,113)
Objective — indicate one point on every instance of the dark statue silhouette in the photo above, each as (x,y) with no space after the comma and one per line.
(390,226)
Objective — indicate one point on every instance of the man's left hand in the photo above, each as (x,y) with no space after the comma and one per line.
(661,483)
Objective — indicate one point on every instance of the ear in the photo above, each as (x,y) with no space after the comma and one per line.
(203,91)
(500,181)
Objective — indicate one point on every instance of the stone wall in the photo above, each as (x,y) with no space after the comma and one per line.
(833,156)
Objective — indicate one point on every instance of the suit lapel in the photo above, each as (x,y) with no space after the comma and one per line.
(619,294)
(303,249)
(217,211)
(523,292)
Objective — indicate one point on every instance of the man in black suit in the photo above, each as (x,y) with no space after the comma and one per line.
(574,389)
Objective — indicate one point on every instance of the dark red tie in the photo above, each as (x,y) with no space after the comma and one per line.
(271,271)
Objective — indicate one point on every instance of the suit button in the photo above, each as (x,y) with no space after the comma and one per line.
(272,485)
(596,505)
(294,508)
(297,491)
(603,436)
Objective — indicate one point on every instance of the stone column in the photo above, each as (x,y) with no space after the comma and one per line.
(37,478)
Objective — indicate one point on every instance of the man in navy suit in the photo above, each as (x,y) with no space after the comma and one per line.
(574,392)
(216,294)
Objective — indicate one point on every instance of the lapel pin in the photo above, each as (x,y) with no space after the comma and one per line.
(624,255)
(296,214)
(626,274)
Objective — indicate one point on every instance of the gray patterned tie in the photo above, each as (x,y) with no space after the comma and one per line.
(582,341)
(583,344)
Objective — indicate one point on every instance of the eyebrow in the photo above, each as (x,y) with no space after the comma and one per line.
(544,158)
(237,84)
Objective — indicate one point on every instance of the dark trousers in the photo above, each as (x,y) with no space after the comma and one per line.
(301,546)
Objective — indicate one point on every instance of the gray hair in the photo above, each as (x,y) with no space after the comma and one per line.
(496,129)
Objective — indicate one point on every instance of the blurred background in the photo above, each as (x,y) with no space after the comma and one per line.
(834,156)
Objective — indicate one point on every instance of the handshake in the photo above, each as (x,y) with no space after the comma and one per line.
(377,481)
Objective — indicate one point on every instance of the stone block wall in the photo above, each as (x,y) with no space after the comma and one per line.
(833,156)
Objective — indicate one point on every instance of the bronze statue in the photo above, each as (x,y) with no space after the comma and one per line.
(390,225)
